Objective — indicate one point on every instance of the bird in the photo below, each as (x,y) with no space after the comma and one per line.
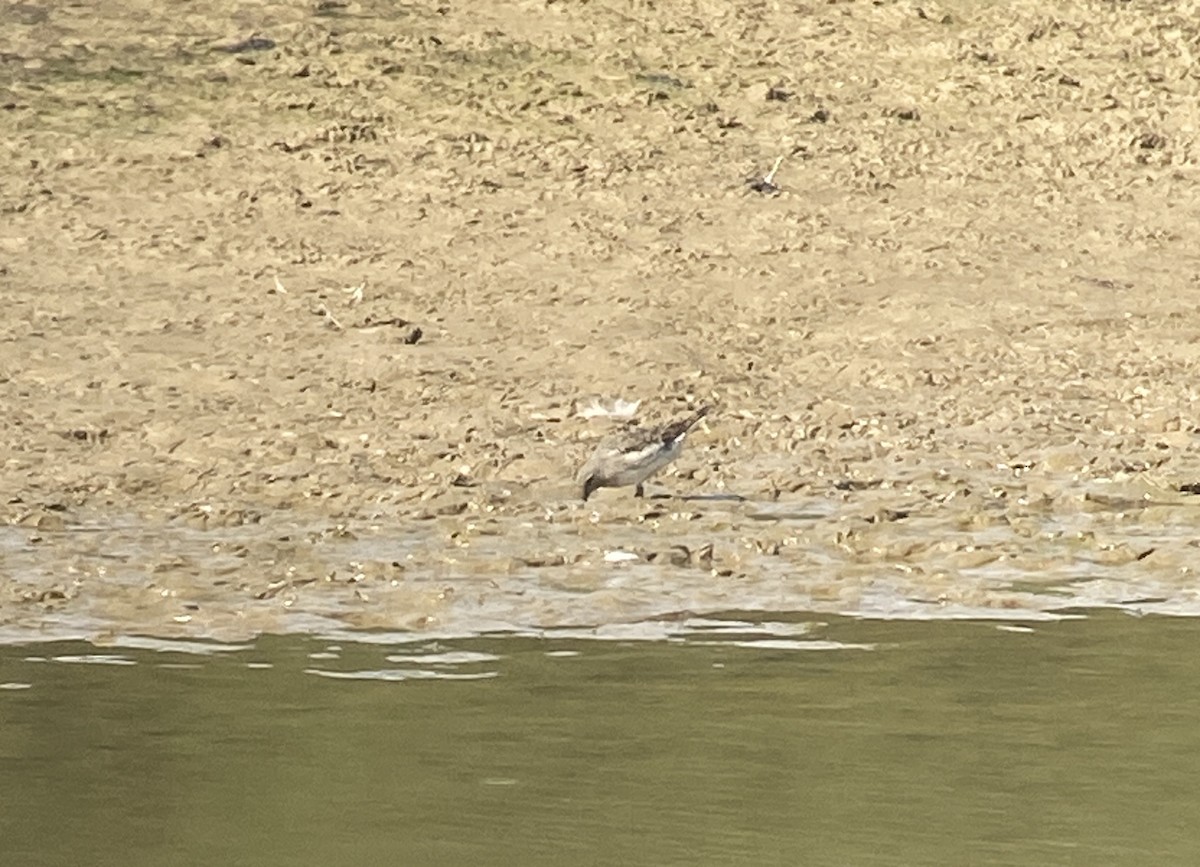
(635,454)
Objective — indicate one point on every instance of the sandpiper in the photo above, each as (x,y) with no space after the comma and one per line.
(635,454)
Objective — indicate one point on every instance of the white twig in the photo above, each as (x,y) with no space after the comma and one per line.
(769,177)
(329,317)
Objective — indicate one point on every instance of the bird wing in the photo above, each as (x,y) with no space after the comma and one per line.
(677,429)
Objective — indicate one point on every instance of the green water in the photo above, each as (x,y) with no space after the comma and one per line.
(945,743)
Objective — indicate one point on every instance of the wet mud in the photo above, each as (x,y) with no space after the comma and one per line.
(306,308)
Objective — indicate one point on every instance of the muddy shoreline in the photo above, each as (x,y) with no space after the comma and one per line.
(306,330)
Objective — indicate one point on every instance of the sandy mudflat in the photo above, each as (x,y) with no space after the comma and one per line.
(953,356)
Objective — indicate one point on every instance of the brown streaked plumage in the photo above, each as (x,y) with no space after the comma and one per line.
(635,454)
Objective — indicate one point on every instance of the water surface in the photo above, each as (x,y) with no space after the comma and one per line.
(833,741)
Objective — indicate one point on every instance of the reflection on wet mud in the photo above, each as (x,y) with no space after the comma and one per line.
(649,567)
